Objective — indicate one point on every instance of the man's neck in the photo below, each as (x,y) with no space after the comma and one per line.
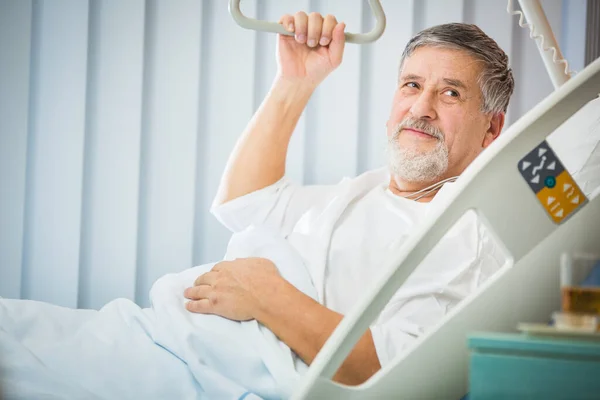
(403,188)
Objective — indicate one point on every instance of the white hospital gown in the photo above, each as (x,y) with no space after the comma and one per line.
(345,231)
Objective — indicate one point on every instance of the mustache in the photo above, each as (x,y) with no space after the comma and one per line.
(421,125)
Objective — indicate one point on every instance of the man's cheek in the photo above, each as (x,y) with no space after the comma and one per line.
(399,112)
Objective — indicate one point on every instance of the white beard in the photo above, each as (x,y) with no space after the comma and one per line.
(416,166)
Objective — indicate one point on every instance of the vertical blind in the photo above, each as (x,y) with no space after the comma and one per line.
(117,118)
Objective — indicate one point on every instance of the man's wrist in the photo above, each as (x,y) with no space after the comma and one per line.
(273,299)
(292,91)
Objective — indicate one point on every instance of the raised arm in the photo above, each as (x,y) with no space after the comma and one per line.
(304,61)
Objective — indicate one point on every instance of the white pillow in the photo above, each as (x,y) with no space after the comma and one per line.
(577,143)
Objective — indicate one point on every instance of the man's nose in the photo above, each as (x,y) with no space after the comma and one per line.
(424,106)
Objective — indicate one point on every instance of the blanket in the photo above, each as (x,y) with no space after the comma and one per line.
(123,351)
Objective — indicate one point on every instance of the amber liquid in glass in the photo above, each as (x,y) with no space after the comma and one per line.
(581,300)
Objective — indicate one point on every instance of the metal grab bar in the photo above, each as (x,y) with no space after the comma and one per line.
(265,26)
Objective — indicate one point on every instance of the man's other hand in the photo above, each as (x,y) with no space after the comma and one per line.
(234,289)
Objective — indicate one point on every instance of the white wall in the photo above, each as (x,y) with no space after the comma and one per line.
(117,117)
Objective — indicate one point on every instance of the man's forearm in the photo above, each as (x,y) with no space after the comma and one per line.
(258,159)
(305,325)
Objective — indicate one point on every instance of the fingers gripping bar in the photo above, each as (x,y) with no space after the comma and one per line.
(265,26)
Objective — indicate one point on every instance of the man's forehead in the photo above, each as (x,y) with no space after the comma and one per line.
(453,66)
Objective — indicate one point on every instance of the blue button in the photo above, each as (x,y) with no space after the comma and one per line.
(550,181)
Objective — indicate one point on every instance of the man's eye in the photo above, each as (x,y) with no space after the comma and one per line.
(452,93)
(413,85)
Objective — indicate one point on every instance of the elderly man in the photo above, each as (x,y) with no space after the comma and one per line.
(453,90)
(328,242)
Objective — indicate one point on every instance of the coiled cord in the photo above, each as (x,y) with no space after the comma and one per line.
(510,10)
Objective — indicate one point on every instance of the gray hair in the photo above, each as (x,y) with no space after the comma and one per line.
(496,80)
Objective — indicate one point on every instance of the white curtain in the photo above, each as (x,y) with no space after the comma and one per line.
(117,117)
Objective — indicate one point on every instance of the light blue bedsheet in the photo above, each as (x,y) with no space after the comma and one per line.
(162,352)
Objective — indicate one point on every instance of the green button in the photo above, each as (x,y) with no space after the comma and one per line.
(550,181)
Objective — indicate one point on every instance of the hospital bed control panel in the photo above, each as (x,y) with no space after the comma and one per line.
(552,184)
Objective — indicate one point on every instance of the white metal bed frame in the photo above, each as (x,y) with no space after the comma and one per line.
(527,289)
(436,366)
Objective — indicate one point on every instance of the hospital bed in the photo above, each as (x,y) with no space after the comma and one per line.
(525,289)
(532,233)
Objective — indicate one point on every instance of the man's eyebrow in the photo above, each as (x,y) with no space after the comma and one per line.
(411,77)
(456,83)
(449,81)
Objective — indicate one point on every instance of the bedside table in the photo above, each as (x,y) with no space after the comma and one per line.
(520,366)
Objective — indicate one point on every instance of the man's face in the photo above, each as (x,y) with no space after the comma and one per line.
(436,127)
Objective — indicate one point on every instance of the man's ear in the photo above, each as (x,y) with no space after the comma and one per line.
(495,127)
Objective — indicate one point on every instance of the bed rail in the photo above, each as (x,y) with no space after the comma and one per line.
(493,187)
